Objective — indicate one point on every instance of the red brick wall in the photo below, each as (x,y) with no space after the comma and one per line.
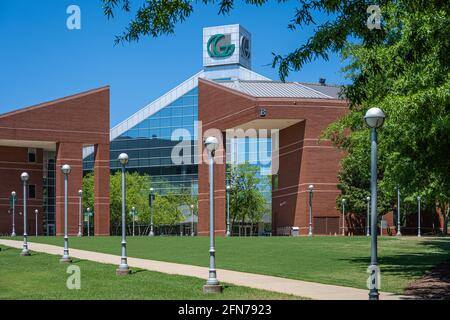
(14,161)
(69,123)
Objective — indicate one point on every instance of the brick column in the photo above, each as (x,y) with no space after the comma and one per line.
(71,154)
(219,192)
(287,202)
(101,190)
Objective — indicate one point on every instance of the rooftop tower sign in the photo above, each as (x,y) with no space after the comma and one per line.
(226,45)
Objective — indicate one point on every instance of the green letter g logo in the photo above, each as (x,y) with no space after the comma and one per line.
(217,50)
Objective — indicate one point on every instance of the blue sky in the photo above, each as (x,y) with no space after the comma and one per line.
(41,60)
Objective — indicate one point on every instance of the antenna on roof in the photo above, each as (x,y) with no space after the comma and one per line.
(322,81)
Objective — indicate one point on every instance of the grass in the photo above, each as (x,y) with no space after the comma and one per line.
(331,260)
(41,276)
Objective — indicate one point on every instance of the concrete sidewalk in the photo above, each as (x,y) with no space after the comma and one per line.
(306,289)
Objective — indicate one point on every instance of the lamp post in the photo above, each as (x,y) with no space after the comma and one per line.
(88,211)
(13,196)
(65,169)
(123,267)
(212,284)
(133,211)
(310,188)
(192,220)
(398,212)
(36,216)
(228,210)
(374,119)
(24,177)
(80,196)
(418,217)
(343,216)
(368,216)
(152,233)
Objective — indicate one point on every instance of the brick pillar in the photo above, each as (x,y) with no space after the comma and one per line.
(101,190)
(219,192)
(71,154)
(287,202)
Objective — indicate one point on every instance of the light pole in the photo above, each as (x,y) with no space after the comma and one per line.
(212,284)
(24,177)
(66,169)
(80,195)
(151,234)
(36,215)
(311,189)
(368,216)
(398,212)
(228,210)
(123,267)
(192,220)
(88,221)
(133,211)
(343,217)
(13,196)
(374,119)
(418,217)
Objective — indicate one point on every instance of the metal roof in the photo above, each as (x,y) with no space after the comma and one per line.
(276,89)
(330,90)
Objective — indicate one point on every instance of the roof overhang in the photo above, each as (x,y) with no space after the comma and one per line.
(269,124)
(46,145)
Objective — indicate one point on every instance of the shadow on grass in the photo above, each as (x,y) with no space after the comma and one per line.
(431,268)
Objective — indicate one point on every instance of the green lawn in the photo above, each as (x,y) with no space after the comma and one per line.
(332,260)
(41,276)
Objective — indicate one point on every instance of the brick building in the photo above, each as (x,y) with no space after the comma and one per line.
(226,94)
(39,140)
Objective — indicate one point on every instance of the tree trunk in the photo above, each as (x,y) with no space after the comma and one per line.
(446,218)
(433,215)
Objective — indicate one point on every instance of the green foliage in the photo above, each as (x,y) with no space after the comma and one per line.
(137,188)
(159,17)
(407,76)
(247,203)
(167,209)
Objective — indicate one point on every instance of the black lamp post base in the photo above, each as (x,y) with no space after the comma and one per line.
(374,295)
(25,254)
(65,260)
(212,288)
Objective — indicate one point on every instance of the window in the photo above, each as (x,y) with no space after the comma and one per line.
(31,154)
(32,191)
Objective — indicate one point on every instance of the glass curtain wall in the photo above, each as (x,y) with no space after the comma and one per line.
(149,146)
(49,192)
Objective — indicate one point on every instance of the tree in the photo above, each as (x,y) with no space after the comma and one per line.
(137,188)
(167,210)
(407,76)
(247,202)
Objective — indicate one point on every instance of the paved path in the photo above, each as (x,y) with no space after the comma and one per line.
(306,289)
